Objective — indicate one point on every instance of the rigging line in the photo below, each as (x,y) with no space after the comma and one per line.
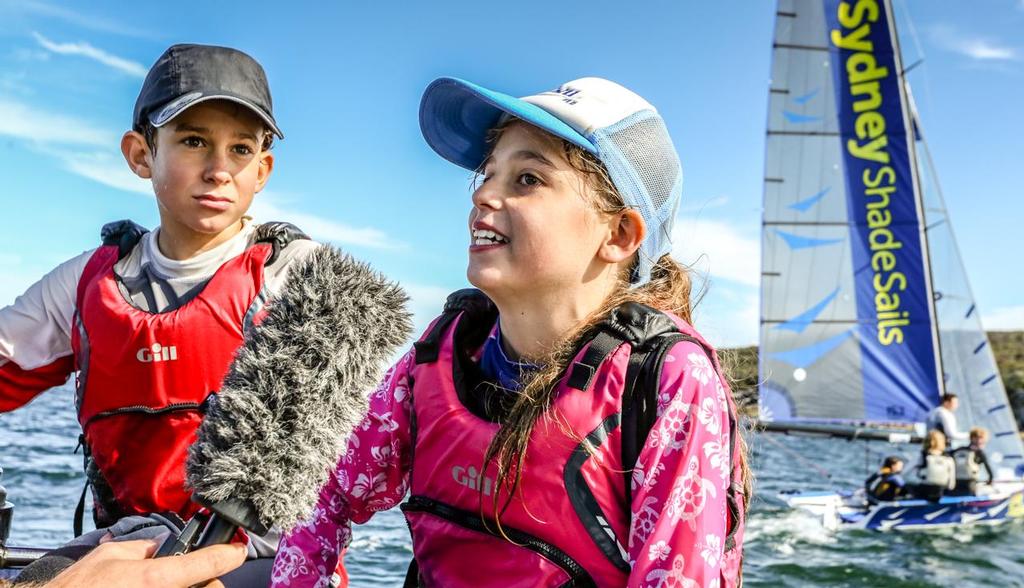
(799,47)
(804,133)
(799,457)
(910,67)
(909,21)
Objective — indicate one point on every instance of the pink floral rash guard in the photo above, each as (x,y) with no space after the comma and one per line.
(680,483)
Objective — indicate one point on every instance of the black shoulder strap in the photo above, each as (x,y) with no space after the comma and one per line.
(279,235)
(632,323)
(468,300)
(124,234)
(639,411)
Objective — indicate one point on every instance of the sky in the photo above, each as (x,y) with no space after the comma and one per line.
(354,171)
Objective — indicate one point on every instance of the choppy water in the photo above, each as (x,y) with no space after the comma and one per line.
(783,548)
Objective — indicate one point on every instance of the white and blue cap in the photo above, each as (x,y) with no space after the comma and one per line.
(622,129)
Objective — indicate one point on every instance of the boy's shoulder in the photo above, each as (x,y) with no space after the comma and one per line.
(290,242)
(292,245)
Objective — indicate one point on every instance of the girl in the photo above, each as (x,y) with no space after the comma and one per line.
(570,428)
(937,470)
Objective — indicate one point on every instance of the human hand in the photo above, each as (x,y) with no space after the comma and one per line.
(117,564)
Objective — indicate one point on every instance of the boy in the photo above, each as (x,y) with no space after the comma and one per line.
(151,320)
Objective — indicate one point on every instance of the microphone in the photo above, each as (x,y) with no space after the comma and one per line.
(295,391)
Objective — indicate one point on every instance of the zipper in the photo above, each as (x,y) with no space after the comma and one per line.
(174,407)
(578,577)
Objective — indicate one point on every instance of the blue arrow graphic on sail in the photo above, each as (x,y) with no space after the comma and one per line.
(799,118)
(807,203)
(802,357)
(800,322)
(803,99)
(798,242)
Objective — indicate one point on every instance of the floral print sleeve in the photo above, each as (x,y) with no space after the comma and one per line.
(372,475)
(681,480)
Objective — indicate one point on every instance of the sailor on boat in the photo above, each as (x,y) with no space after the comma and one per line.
(969,460)
(150,321)
(887,484)
(937,470)
(942,418)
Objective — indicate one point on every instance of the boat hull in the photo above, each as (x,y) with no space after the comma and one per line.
(849,510)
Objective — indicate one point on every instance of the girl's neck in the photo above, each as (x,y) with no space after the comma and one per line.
(531,327)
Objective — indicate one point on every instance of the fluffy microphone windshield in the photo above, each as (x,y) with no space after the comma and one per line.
(297,388)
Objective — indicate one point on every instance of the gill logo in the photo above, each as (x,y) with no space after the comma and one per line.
(471,478)
(156,352)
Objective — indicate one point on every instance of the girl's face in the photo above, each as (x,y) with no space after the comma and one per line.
(532,228)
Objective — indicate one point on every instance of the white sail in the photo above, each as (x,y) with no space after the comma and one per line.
(867,316)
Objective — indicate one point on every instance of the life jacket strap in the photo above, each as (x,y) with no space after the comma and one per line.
(78,521)
(279,235)
(124,234)
(582,372)
(478,308)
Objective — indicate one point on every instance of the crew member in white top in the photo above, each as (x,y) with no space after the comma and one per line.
(942,418)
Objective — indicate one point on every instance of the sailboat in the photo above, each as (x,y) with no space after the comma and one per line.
(867,318)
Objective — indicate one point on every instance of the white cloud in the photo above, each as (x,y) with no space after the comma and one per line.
(426,303)
(728,316)
(28,122)
(17,279)
(56,135)
(975,47)
(719,249)
(981,49)
(271,207)
(121,64)
(106,168)
(32,7)
(702,205)
(1007,318)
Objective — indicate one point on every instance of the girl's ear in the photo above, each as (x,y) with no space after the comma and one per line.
(136,153)
(626,232)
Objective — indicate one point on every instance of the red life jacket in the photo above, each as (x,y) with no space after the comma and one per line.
(568,522)
(144,377)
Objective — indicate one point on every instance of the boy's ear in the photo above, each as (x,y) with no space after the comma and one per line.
(266,166)
(626,234)
(136,153)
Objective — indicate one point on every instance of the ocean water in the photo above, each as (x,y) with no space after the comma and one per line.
(783,547)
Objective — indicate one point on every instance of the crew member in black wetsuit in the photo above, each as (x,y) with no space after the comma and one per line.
(887,484)
(969,460)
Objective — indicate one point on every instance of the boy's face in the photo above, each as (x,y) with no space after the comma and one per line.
(206,169)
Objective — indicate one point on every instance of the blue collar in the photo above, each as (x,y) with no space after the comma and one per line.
(498,368)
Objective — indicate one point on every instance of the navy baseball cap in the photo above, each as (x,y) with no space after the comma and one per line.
(186,75)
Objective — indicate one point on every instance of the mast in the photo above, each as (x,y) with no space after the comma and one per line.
(913,127)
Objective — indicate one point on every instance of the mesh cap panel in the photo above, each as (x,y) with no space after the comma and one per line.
(645,168)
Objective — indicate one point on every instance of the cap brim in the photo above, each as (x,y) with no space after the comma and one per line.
(162,116)
(455,116)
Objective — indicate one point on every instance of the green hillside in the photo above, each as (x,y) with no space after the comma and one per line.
(741,366)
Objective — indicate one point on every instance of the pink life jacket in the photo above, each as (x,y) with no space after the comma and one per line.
(145,377)
(567,523)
